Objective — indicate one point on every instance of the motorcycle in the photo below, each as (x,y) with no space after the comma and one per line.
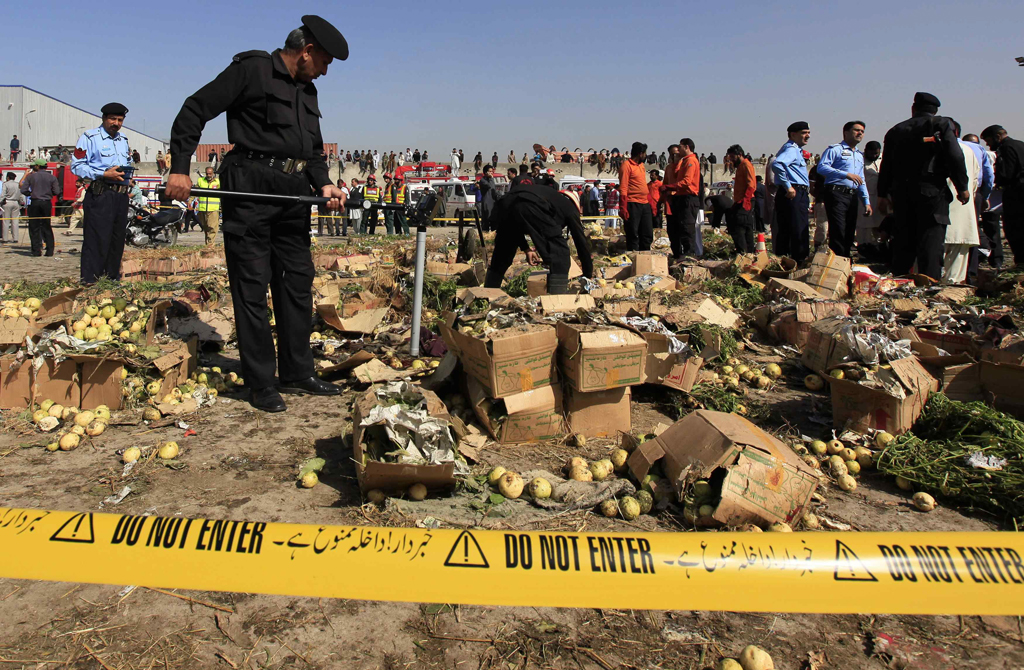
(146,228)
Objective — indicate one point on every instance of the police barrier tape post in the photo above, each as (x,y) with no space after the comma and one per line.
(884,573)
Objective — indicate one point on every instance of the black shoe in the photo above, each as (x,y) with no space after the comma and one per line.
(310,386)
(267,399)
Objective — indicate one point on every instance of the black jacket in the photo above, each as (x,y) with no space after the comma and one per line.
(267,111)
(919,154)
(560,213)
(1010,166)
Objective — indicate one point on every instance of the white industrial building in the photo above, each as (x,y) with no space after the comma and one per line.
(43,122)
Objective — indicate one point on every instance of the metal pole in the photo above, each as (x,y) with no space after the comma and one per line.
(417,300)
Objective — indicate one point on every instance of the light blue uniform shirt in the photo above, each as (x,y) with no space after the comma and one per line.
(790,168)
(988,174)
(96,151)
(837,161)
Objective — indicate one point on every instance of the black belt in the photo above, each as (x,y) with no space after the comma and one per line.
(286,165)
(841,189)
(801,187)
(98,187)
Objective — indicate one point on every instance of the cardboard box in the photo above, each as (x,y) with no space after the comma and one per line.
(667,369)
(825,347)
(614,273)
(362,322)
(794,291)
(792,325)
(530,416)
(560,304)
(696,309)
(830,274)
(861,408)
(599,413)
(593,358)
(509,361)
(650,263)
(374,474)
(764,480)
(57,381)
(15,382)
(625,307)
(951,343)
(494,296)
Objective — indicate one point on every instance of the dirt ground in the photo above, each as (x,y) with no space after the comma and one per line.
(241,464)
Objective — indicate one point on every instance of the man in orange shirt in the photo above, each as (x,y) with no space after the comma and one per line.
(681,190)
(636,209)
(744,185)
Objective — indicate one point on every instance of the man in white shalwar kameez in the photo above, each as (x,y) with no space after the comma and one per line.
(962,231)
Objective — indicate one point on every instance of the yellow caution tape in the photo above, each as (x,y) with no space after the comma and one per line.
(893,573)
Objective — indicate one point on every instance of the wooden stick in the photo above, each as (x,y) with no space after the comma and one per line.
(98,659)
(192,600)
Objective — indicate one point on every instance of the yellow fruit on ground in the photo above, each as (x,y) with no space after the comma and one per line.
(153,387)
(495,474)
(79,326)
(46,405)
(599,470)
(510,485)
(131,454)
(847,483)
(168,450)
(78,430)
(575,461)
(904,483)
(417,491)
(779,527)
(882,439)
(102,412)
(755,658)
(629,508)
(33,303)
(53,446)
(309,480)
(853,467)
(39,415)
(609,508)
(814,382)
(92,310)
(84,418)
(729,663)
(811,521)
(818,447)
(151,414)
(924,502)
(69,441)
(97,321)
(376,496)
(581,473)
(837,374)
(540,488)
(619,458)
(96,428)
(418,365)
(773,370)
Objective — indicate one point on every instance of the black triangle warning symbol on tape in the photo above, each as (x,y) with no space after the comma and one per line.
(466,553)
(76,529)
(849,567)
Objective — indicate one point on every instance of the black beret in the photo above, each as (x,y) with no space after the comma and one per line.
(926,99)
(797,126)
(114,108)
(327,36)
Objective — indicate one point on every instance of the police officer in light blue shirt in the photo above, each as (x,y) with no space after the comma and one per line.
(842,167)
(792,199)
(102,155)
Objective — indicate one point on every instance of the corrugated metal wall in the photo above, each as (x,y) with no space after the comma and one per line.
(42,121)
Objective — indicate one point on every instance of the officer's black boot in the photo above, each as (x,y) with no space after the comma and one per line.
(558,284)
(494,278)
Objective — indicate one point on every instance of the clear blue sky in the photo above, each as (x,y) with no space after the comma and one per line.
(501,75)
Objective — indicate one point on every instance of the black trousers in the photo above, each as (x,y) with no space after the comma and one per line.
(794,225)
(841,208)
(40,232)
(741,228)
(104,219)
(759,217)
(401,224)
(988,240)
(371,215)
(919,232)
(639,226)
(681,225)
(523,219)
(269,245)
(1013,224)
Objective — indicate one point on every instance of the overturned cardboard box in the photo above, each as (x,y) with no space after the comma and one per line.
(509,361)
(599,413)
(760,479)
(531,416)
(594,358)
(830,274)
(388,476)
(893,405)
(792,323)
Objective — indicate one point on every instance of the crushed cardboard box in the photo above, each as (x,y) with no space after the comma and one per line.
(531,416)
(830,274)
(760,479)
(793,291)
(566,304)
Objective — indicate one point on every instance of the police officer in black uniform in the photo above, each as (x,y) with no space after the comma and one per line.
(919,154)
(540,211)
(274,123)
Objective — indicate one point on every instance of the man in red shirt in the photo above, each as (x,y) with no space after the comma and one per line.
(745,184)
(654,196)
(635,209)
(681,189)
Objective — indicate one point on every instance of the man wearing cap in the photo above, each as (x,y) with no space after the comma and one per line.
(273,119)
(388,196)
(373,194)
(102,155)
(792,198)
(1009,178)
(41,187)
(918,156)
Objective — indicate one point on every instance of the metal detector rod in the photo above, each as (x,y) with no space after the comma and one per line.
(417,299)
(280,199)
